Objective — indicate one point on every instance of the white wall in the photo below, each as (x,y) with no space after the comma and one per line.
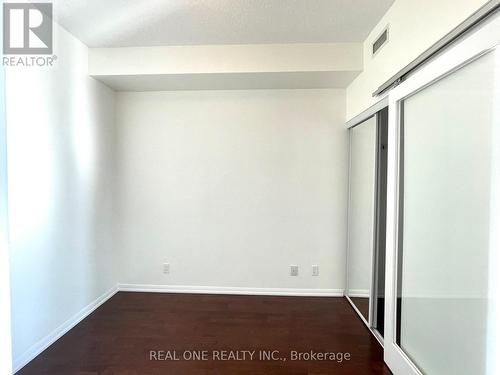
(60,134)
(231,187)
(414,25)
(5,319)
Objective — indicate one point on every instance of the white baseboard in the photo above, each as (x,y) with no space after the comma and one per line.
(362,293)
(231,290)
(48,340)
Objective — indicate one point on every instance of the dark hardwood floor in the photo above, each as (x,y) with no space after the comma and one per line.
(117,338)
(363,305)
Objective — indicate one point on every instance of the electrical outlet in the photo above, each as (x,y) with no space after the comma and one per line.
(166,267)
(294,270)
(315,270)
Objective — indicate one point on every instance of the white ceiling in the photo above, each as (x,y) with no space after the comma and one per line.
(123,23)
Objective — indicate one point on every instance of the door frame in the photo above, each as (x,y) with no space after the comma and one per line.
(483,39)
(366,320)
(373,111)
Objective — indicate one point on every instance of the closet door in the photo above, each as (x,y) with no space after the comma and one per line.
(443,235)
(361,215)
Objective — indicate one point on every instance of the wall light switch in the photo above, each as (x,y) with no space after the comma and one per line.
(315,270)
(294,270)
(166,267)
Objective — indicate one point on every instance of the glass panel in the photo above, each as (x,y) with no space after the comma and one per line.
(447,227)
(381,217)
(361,214)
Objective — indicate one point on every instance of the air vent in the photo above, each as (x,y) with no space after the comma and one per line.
(380,41)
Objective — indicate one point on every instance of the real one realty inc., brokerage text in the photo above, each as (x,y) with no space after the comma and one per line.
(247,355)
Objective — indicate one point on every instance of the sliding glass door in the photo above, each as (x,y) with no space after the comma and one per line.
(366,229)
(361,214)
(445,128)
